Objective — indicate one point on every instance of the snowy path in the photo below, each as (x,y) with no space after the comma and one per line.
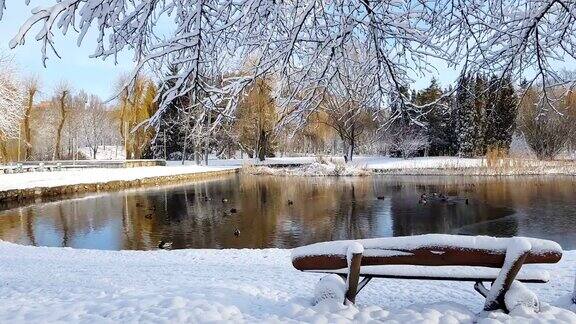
(62,284)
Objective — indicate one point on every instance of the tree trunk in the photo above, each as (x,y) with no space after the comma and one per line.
(27,133)
(263,145)
(61,125)
(184,146)
(3,150)
(345,150)
(351,150)
(197,154)
(207,139)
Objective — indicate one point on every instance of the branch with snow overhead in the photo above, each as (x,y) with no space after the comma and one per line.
(303,43)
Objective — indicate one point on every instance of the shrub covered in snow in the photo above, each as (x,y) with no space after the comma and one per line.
(330,288)
(520,296)
(320,168)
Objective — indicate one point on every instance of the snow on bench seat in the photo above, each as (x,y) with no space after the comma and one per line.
(452,273)
(429,249)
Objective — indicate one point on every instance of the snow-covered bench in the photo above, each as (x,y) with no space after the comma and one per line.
(432,257)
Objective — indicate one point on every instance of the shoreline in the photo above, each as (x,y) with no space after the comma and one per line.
(472,172)
(110,185)
(33,185)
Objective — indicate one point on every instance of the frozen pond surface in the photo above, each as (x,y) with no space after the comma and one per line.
(286,212)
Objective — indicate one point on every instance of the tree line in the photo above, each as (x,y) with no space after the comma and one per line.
(477,115)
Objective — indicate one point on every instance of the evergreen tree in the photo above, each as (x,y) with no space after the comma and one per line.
(480,95)
(502,111)
(466,118)
(169,139)
(438,127)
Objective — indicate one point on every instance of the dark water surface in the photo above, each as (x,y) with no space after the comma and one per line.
(195,215)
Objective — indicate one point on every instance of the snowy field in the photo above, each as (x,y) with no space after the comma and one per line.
(40,285)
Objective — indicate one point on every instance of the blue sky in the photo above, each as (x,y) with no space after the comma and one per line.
(75,67)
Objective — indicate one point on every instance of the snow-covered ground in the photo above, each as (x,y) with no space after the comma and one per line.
(42,285)
(371,162)
(105,152)
(100,175)
(95,175)
(361,163)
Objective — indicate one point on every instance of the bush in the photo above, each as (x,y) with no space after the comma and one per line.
(546,128)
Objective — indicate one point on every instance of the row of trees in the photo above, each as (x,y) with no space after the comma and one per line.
(475,116)
(310,48)
(71,124)
(484,114)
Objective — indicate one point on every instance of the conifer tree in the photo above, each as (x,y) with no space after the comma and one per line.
(490,128)
(438,127)
(502,111)
(466,129)
(169,139)
(480,95)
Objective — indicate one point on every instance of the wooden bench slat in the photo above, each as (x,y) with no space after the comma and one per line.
(448,273)
(433,250)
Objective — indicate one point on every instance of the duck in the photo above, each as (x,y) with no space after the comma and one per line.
(467,202)
(236,232)
(290,202)
(224,200)
(422,201)
(381,197)
(233,210)
(164,245)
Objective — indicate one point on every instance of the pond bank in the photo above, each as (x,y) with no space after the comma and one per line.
(51,184)
(22,186)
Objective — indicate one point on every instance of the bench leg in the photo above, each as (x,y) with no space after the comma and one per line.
(481,289)
(363,284)
(511,267)
(353,277)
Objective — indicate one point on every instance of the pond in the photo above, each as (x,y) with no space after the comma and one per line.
(286,212)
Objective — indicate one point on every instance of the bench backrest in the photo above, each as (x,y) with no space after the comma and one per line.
(428,250)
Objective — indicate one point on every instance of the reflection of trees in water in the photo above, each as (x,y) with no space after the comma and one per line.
(436,216)
(323,209)
(57,223)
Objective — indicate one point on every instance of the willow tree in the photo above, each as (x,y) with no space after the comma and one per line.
(256,120)
(31,87)
(136,106)
(62,99)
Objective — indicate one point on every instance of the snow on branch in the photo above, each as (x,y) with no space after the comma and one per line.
(11,102)
(303,43)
